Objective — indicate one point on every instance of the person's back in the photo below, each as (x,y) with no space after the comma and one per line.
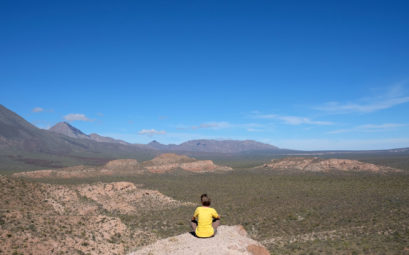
(205,219)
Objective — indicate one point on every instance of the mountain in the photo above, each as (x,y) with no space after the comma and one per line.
(158,146)
(24,146)
(68,130)
(105,139)
(215,146)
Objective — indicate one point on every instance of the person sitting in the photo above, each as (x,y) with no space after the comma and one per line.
(205,219)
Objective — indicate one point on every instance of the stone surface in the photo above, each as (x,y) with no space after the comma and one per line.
(229,240)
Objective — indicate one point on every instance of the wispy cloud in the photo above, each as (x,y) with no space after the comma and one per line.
(369,128)
(219,125)
(37,109)
(76,117)
(151,132)
(292,120)
(206,125)
(213,125)
(390,98)
(254,130)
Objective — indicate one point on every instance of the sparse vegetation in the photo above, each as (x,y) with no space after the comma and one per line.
(309,213)
(295,214)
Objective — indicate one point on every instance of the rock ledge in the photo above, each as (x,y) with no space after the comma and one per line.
(230,240)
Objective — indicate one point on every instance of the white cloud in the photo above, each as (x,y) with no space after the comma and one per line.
(76,117)
(390,98)
(151,132)
(38,109)
(369,128)
(293,120)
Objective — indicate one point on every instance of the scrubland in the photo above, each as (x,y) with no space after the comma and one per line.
(290,213)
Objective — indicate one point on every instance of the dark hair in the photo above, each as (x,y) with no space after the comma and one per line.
(205,200)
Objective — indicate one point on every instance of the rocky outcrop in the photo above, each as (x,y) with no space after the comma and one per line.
(123,164)
(170,161)
(130,167)
(315,164)
(228,240)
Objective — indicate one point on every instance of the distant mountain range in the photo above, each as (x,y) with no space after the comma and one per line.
(203,145)
(217,146)
(24,147)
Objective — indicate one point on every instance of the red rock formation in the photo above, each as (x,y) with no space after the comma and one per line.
(315,164)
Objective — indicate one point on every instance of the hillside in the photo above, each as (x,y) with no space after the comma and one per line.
(74,219)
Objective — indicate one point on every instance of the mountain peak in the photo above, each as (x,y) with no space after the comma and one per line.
(66,129)
(157,145)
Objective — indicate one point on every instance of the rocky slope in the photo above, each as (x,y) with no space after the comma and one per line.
(130,167)
(74,219)
(315,164)
(229,240)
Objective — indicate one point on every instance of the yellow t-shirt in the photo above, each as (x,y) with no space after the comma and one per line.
(204,216)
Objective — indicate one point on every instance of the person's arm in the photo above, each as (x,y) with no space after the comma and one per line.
(215,214)
(195,214)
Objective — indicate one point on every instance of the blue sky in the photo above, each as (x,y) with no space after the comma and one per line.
(296,74)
